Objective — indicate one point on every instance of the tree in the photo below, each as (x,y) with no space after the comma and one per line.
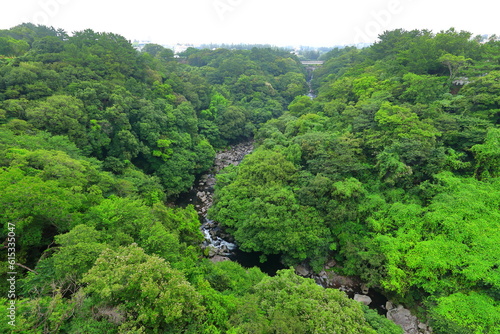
(121,219)
(260,208)
(446,246)
(39,208)
(232,123)
(152,49)
(229,276)
(423,89)
(487,155)
(454,64)
(288,303)
(48,49)
(292,84)
(481,97)
(152,296)
(11,47)
(300,106)
(466,313)
(61,115)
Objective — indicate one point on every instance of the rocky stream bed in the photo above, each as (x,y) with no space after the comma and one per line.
(220,246)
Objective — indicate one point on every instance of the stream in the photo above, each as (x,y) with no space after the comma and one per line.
(221,246)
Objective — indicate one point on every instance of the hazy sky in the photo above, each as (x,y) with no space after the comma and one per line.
(277,22)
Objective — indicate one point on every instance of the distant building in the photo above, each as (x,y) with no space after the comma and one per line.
(138,45)
(179,48)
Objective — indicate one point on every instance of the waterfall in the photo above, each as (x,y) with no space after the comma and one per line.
(311,91)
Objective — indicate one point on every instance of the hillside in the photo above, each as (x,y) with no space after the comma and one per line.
(392,172)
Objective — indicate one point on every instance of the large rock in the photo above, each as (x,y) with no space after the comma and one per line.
(218,258)
(363,299)
(302,270)
(404,318)
(330,264)
(344,283)
(212,251)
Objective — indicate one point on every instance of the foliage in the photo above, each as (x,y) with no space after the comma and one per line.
(392,171)
(288,303)
(151,295)
(466,313)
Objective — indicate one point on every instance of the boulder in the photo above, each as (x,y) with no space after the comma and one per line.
(337,281)
(404,318)
(302,270)
(330,264)
(363,299)
(218,258)
(212,251)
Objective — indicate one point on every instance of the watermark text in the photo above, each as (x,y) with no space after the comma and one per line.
(11,263)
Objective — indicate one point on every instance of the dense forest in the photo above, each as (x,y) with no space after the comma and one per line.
(392,171)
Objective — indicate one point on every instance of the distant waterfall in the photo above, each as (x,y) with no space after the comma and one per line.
(311,91)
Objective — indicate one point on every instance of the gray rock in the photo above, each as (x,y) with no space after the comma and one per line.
(363,299)
(336,281)
(322,274)
(212,252)
(330,264)
(404,318)
(302,270)
(389,305)
(218,258)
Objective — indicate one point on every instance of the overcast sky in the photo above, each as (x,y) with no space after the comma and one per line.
(276,22)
